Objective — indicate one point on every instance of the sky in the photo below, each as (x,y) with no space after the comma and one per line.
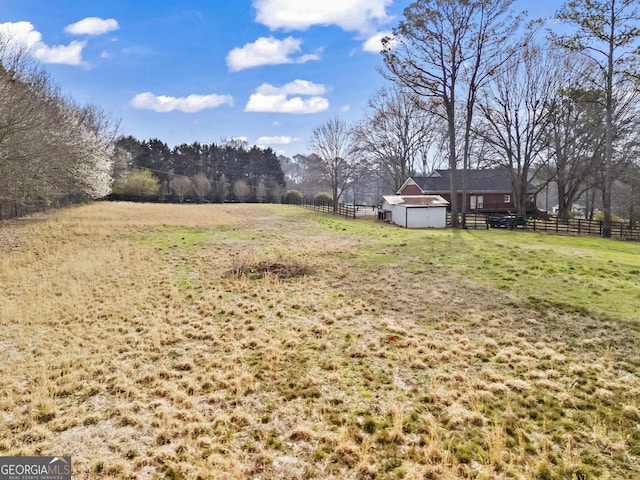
(264,71)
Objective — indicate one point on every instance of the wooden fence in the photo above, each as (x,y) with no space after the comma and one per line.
(574,226)
(348,211)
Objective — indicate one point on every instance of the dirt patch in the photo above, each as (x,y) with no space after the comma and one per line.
(280,269)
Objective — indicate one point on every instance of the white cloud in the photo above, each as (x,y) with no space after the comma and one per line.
(190,104)
(351,15)
(92,26)
(269,98)
(374,43)
(65,54)
(23,34)
(277,140)
(346,108)
(282,104)
(267,51)
(297,87)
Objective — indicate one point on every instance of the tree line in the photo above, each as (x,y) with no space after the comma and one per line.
(474,84)
(218,172)
(53,152)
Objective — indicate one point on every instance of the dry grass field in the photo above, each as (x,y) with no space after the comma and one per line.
(269,342)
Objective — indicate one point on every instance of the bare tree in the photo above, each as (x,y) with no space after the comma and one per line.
(394,134)
(201,186)
(442,48)
(222,188)
(607,33)
(334,145)
(261,191)
(493,27)
(577,138)
(515,113)
(241,190)
(180,186)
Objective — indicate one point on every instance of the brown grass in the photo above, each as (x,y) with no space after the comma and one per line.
(127,344)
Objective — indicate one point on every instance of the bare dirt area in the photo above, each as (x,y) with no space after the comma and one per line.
(269,342)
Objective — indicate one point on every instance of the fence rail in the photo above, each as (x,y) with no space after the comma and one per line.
(573,226)
(348,211)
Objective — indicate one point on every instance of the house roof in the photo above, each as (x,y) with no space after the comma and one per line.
(490,180)
(414,200)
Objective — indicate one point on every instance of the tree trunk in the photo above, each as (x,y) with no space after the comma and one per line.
(453,183)
(608,159)
(563,207)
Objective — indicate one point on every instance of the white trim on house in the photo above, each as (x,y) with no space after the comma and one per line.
(407,182)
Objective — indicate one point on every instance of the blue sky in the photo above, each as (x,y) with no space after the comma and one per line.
(266,71)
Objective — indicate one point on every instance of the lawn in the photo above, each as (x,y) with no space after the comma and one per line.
(271,342)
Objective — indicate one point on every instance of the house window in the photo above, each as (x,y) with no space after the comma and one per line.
(476,202)
(507,199)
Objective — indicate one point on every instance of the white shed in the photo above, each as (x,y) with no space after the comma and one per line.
(414,211)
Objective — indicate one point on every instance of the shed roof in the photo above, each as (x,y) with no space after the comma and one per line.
(414,200)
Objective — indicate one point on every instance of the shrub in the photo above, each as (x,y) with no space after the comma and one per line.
(293,197)
(599,217)
(139,183)
(322,198)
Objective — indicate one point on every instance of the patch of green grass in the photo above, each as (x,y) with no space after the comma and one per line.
(574,274)
(167,238)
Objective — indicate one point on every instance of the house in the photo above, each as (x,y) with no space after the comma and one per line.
(487,190)
(578,210)
(414,211)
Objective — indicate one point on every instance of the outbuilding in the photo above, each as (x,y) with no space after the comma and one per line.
(414,211)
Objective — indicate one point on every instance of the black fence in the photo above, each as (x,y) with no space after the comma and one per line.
(572,226)
(342,210)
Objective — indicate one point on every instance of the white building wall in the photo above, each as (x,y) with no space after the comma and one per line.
(417,217)
(426,217)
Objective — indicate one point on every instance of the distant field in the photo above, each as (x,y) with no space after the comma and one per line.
(271,342)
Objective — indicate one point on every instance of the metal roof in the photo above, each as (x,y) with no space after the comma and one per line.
(414,200)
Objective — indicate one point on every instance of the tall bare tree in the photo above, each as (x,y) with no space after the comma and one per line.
(333,143)
(443,50)
(515,112)
(607,32)
(493,27)
(394,133)
(577,138)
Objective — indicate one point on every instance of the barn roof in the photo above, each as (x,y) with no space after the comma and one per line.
(414,200)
